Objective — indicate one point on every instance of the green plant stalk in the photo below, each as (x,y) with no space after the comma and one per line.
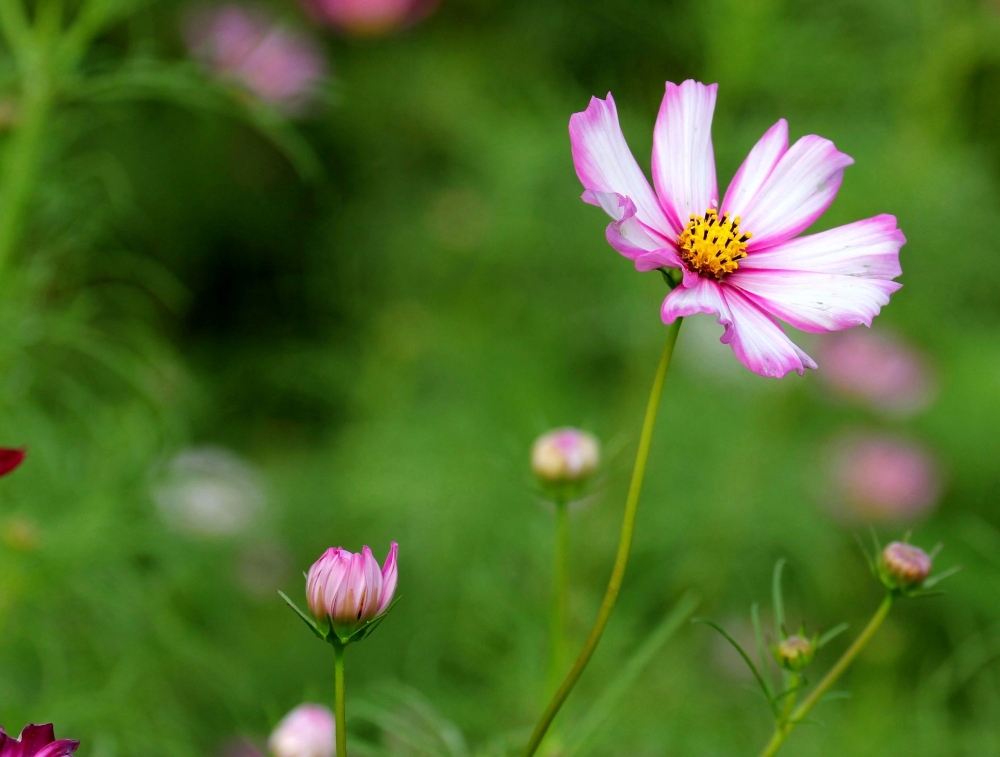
(624,547)
(560,596)
(22,159)
(786,712)
(340,705)
(784,729)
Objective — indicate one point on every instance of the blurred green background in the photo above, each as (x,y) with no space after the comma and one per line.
(368,355)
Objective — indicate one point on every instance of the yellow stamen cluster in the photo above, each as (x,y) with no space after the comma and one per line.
(711,246)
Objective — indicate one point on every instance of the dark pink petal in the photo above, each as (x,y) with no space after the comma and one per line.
(605,164)
(683,158)
(758,342)
(755,169)
(797,192)
(815,302)
(59,748)
(389,578)
(867,249)
(10,458)
(34,737)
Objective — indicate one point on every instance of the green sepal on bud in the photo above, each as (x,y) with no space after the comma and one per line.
(796,652)
(329,633)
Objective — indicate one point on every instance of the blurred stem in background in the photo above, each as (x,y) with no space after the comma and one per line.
(340,706)
(624,547)
(560,596)
(788,722)
(44,54)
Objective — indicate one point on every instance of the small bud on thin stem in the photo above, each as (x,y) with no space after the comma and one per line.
(903,566)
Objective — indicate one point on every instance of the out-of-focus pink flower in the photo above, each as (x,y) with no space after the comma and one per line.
(878,369)
(10,458)
(36,741)
(370,17)
(881,478)
(349,588)
(739,259)
(307,731)
(277,64)
(565,455)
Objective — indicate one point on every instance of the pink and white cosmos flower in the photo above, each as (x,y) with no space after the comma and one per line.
(739,260)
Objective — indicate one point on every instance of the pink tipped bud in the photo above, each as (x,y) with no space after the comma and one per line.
(566,455)
(903,566)
(349,588)
(306,731)
(795,653)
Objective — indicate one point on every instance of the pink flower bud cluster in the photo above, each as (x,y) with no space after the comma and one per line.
(278,65)
(349,588)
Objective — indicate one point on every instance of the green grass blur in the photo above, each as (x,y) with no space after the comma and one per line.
(382,345)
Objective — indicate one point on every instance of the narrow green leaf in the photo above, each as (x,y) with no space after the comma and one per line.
(581,740)
(758,633)
(831,635)
(305,618)
(935,580)
(746,659)
(778,599)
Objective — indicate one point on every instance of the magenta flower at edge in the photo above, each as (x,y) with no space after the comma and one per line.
(349,588)
(370,17)
(36,741)
(740,260)
(307,731)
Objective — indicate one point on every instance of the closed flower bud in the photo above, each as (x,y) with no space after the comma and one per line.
(348,587)
(306,731)
(795,653)
(903,566)
(565,456)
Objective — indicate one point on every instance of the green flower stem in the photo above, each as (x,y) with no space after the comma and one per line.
(624,546)
(340,706)
(785,728)
(793,682)
(560,596)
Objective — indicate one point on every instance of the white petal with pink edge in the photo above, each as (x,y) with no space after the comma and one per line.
(683,158)
(868,249)
(755,169)
(605,164)
(815,302)
(695,295)
(758,342)
(629,237)
(797,191)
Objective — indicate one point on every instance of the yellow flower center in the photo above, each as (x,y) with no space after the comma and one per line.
(711,245)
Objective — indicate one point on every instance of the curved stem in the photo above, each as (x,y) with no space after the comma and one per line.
(782,731)
(624,546)
(560,595)
(341,709)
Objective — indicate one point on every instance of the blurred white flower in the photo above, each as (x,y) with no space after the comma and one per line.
(210,491)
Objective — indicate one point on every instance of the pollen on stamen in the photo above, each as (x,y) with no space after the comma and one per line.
(718,255)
